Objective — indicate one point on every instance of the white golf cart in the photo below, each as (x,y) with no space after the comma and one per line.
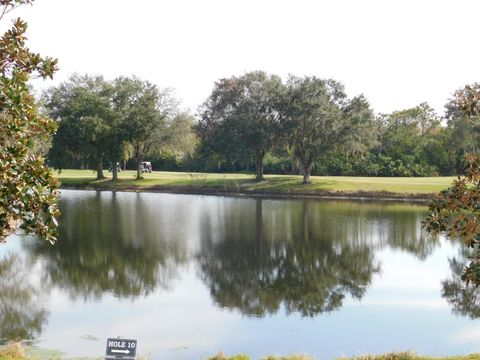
(146,166)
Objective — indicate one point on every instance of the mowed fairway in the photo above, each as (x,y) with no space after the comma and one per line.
(245,182)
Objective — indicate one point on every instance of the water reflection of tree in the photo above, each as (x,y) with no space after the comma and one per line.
(464,300)
(306,255)
(108,246)
(261,262)
(383,224)
(21,313)
(402,230)
(256,255)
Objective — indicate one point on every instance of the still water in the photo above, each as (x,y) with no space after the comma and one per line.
(189,276)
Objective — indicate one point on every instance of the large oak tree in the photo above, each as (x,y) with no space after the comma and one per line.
(88,129)
(320,119)
(241,118)
(143,109)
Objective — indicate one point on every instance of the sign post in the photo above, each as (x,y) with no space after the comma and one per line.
(121,348)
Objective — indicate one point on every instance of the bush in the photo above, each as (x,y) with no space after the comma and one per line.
(291,357)
(277,165)
(13,351)
(223,356)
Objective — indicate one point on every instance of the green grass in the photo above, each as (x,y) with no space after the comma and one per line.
(244,183)
(390,356)
(412,356)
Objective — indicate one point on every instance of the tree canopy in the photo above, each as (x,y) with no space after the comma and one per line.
(100,122)
(319,119)
(86,132)
(241,118)
(139,104)
(255,122)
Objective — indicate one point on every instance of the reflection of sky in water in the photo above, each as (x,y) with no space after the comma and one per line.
(166,323)
(401,310)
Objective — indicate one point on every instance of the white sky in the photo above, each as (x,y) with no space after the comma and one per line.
(398,53)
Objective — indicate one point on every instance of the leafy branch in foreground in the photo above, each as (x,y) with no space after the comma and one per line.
(456,211)
(27,189)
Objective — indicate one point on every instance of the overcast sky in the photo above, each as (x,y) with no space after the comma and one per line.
(397,53)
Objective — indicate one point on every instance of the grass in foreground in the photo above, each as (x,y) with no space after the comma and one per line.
(390,356)
(12,352)
(15,351)
(412,356)
(244,183)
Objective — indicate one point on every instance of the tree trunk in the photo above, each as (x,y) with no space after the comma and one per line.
(114,172)
(306,171)
(100,174)
(139,170)
(306,176)
(260,157)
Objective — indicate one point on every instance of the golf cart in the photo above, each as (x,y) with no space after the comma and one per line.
(146,166)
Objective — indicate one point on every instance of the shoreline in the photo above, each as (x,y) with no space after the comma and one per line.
(419,198)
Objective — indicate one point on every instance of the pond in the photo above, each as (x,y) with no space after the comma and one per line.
(189,276)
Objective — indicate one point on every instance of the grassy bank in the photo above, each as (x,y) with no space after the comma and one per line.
(18,352)
(390,356)
(370,187)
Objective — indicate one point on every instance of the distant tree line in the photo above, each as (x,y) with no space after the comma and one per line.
(255,122)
